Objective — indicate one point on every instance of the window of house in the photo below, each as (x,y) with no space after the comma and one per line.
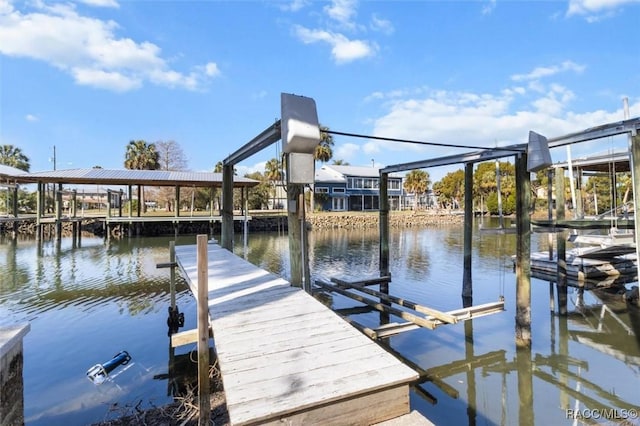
(322,189)
(338,190)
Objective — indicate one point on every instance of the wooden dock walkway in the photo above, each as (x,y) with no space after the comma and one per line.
(286,357)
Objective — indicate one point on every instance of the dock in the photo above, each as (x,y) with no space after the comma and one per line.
(287,358)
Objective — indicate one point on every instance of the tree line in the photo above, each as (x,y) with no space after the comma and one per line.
(598,192)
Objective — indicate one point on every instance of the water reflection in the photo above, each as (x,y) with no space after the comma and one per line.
(90,302)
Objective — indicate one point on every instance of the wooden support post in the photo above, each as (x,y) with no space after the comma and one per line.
(108,203)
(523,253)
(39,209)
(227,208)
(140,200)
(467,286)
(58,195)
(295,248)
(304,242)
(384,224)
(176,201)
(204,403)
(130,199)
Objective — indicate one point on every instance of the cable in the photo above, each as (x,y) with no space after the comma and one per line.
(357,135)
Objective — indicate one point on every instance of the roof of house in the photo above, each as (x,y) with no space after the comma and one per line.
(327,174)
(334,173)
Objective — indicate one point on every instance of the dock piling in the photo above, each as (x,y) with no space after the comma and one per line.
(204,403)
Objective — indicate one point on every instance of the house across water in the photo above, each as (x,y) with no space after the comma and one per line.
(353,188)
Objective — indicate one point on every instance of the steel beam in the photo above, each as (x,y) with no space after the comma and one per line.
(268,136)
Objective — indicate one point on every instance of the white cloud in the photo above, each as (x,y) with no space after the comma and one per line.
(342,49)
(293,6)
(342,11)
(382,25)
(488,7)
(115,81)
(594,10)
(31,117)
(541,72)
(89,49)
(242,170)
(481,120)
(346,151)
(101,3)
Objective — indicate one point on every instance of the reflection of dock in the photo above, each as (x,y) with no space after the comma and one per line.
(284,356)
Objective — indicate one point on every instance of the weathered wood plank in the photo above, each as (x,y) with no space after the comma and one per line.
(386,404)
(414,418)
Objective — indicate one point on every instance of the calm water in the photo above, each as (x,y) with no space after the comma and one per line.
(86,304)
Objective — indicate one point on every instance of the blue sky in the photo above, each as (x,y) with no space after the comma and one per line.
(89,76)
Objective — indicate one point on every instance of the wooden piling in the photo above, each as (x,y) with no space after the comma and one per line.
(58,224)
(226,237)
(384,224)
(204,403)
(467,286)
(523,253)
(295,248)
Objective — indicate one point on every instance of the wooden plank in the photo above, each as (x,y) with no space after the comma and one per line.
(365,410)
(414,418)
(283,354)
(299,394)
(186,337)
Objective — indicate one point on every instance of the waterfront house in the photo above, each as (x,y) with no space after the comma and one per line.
(339,188)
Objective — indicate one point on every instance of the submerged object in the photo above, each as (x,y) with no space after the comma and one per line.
(100,372)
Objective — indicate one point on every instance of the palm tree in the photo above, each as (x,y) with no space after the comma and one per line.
(141,156)
(13,157)
(324,151)
(273,173)
(340,163)
(417,182)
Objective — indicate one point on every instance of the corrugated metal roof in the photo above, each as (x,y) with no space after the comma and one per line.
(133,177)
(10,171)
